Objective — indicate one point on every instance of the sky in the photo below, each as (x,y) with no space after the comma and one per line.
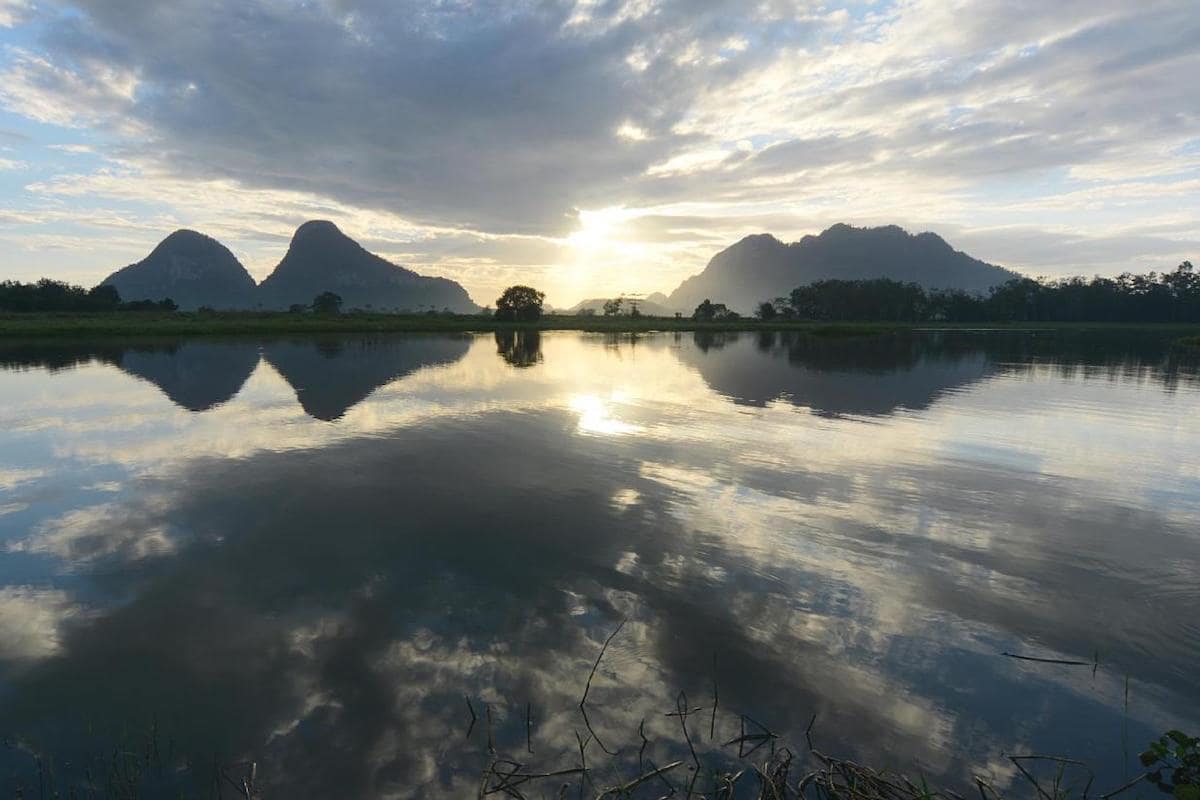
(597,147)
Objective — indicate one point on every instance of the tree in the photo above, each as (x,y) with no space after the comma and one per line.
(612,307)
(327,303)
(709,311)
(520,304)
(766,311)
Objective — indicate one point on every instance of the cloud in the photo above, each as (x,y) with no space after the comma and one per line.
(496,117)
(72,149)
(12,12)
(496,123)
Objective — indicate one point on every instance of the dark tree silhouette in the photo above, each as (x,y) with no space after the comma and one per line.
(1169,297)
(612,307)
(520,304)
(709,311)
(51,295)
(327,303)
(766,311)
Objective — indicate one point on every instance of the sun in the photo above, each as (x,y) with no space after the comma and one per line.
(604,256)
(599,229)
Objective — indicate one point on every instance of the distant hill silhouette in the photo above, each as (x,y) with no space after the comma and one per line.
(654,305)
(761,267)
(196,270)
(192,269)
(321,258)
(331,376)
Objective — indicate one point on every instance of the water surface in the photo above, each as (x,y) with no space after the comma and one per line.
(308,552)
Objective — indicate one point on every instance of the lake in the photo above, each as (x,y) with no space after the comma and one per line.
(326,556)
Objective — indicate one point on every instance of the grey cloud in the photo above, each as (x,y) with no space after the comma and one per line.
(496,116)
(1033,250)
(502,116)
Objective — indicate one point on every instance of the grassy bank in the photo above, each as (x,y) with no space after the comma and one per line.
(266,323)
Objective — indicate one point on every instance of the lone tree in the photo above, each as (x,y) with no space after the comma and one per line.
(766,311)
(612,307)
(708,311)
(520,304)
(327,303)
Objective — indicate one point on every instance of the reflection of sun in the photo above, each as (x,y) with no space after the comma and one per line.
(595,416)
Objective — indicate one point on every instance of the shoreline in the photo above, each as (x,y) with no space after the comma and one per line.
(149,324)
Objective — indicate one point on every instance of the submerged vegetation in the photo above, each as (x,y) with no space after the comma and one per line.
(709,754)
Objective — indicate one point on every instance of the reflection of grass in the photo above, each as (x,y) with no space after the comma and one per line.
(252,322)
(1189,342)
(755,762)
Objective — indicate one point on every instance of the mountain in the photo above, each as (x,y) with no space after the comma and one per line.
(761,267)
(323,259)
(190,268)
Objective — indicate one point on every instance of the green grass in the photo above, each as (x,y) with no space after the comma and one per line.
(253,322)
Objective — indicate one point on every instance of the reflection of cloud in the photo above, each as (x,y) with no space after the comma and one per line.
(10,478)
(30,620)
(88,534)
(331,591)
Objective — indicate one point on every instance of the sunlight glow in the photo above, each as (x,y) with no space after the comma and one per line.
(595,416)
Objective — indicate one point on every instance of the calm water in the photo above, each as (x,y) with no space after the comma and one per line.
(307,552)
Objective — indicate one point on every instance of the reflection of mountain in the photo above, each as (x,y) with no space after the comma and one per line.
(878,375)
(834,376)
(332,375)
(329,376)
(196,375)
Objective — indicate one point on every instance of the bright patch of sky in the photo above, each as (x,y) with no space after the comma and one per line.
(592,148)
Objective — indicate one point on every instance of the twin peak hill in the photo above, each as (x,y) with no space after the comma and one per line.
(196,270)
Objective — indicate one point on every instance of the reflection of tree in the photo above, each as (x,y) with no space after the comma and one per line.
(710,340)
(520,348)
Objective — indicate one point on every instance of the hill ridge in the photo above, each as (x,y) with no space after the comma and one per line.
(760,266)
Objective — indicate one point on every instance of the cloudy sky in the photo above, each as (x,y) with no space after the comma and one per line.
(592,147)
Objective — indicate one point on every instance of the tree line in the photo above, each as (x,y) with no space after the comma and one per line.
(51,295)
(1153,297)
